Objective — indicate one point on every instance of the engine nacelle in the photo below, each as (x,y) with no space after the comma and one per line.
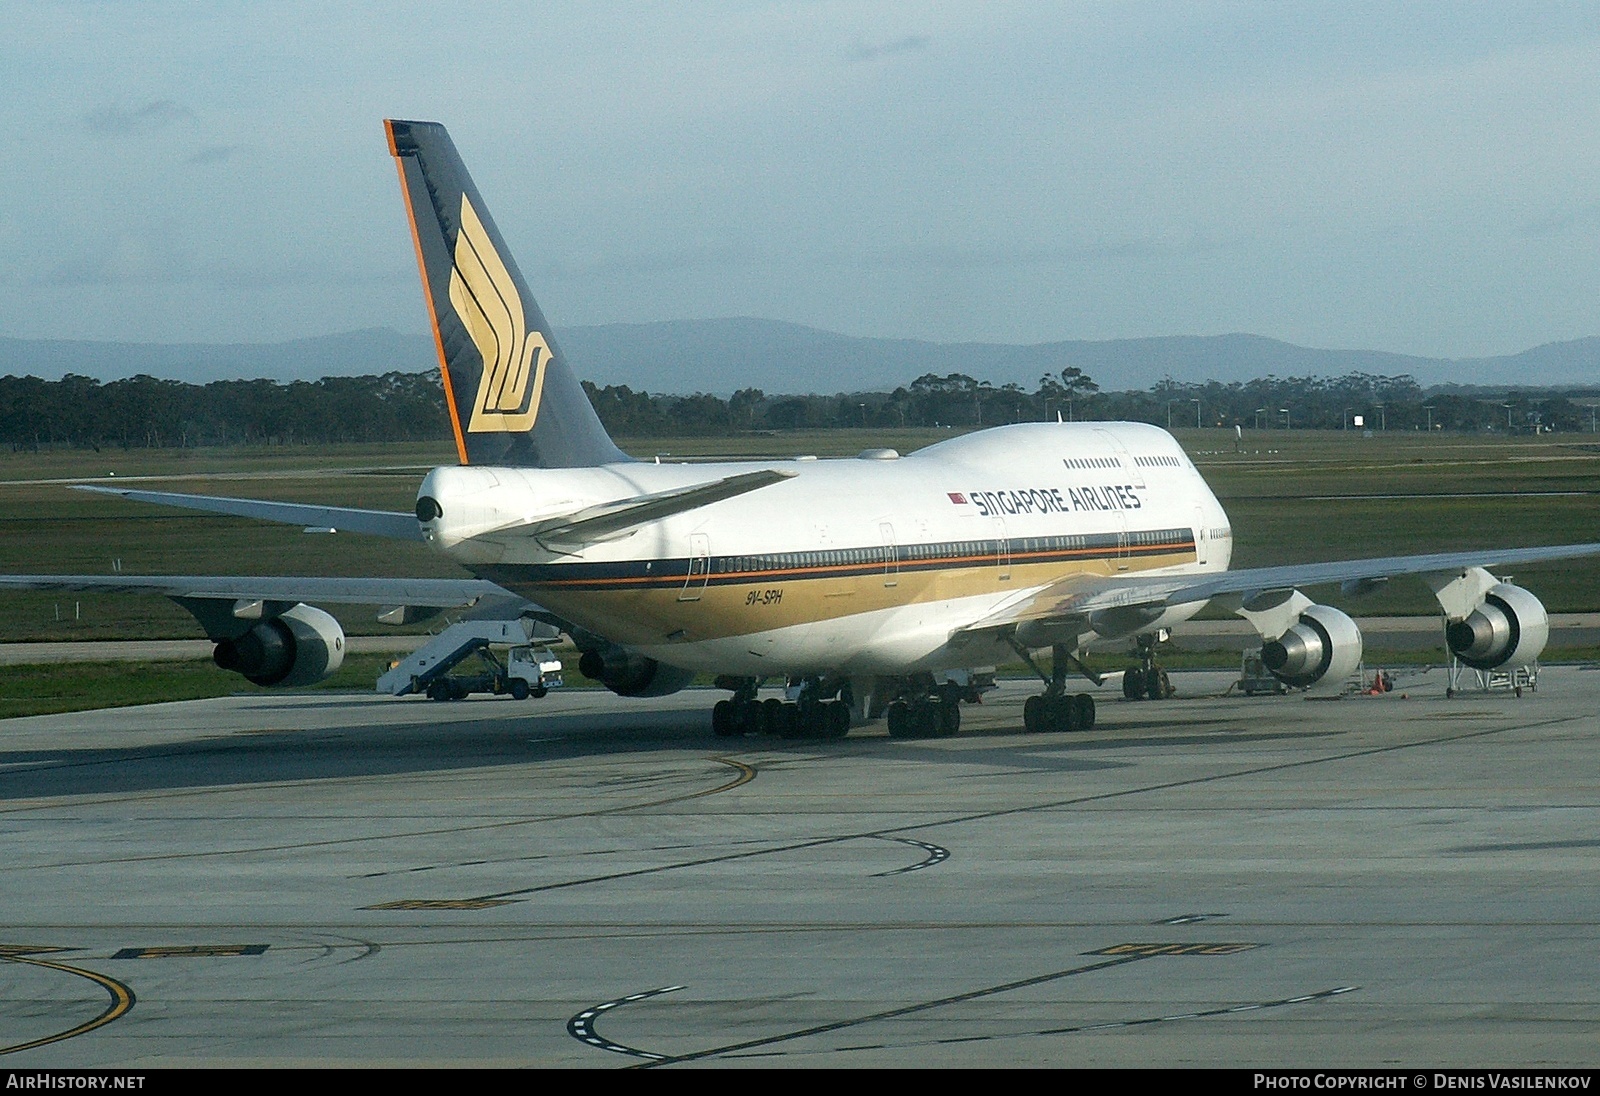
(1323,645)
(627,673)
(1510,628)
(300,646)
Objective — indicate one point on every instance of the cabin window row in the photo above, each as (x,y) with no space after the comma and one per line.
(949,550)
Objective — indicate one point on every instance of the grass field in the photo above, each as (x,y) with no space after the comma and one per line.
(1293,496)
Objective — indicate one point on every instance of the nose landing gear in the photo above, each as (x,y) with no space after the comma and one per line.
(1148,680)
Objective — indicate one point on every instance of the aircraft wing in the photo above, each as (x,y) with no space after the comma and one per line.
(436,593)
(1081,595)
(618,519)
(378,523)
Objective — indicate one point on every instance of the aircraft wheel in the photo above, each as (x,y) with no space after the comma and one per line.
(1084,703)
(837,719)
(746,717)
(1133,683)
(790,721)
(519,689)
(722,724)
(898,718)
(1157,685)
(1063,715)
(771,715)
(1030,714)
(948,717)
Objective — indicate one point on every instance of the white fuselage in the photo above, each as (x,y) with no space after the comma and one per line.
(857,566)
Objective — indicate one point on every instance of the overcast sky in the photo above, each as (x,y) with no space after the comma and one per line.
(1419,178)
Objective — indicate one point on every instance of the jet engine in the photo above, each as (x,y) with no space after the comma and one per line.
(628,673)
(300,646)
(1509,628)
(1322,644)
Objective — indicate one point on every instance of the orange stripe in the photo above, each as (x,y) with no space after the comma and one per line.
(427,294)
(856,570)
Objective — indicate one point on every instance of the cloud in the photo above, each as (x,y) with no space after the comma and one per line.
(114,120)
(212,154)
(1563,222)
(911,43)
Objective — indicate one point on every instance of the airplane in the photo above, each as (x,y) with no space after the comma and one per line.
(873,586)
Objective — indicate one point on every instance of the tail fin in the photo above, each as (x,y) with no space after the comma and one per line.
(512,398)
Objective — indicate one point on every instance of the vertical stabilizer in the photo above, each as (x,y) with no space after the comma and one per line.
(512,398)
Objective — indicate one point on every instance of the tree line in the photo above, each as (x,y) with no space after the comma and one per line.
(146,412)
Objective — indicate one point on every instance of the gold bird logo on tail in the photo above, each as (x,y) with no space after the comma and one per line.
(514,358)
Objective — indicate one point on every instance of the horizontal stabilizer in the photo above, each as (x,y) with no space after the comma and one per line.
(614,520)
(377,523)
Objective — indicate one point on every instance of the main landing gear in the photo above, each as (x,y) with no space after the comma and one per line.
(1147,680)
(810,715)
(1057,711)
(935,715)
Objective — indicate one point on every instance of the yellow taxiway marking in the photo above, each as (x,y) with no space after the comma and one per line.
(122,997)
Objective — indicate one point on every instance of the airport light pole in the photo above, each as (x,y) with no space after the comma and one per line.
(1169,413)
(1259,412)
(1428,407)
(1284,411)
(1196,413)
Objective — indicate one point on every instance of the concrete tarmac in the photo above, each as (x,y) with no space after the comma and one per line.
(1402,881)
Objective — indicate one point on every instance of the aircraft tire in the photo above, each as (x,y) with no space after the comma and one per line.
(1031,721)
(1084,704)
(790,722)
(1157,685)
(836,721)
(771,716)
(722,723)
(948,718)
(898,719)
(1063,715)
(1133,683)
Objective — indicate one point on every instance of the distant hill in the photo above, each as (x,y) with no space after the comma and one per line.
(720,356)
